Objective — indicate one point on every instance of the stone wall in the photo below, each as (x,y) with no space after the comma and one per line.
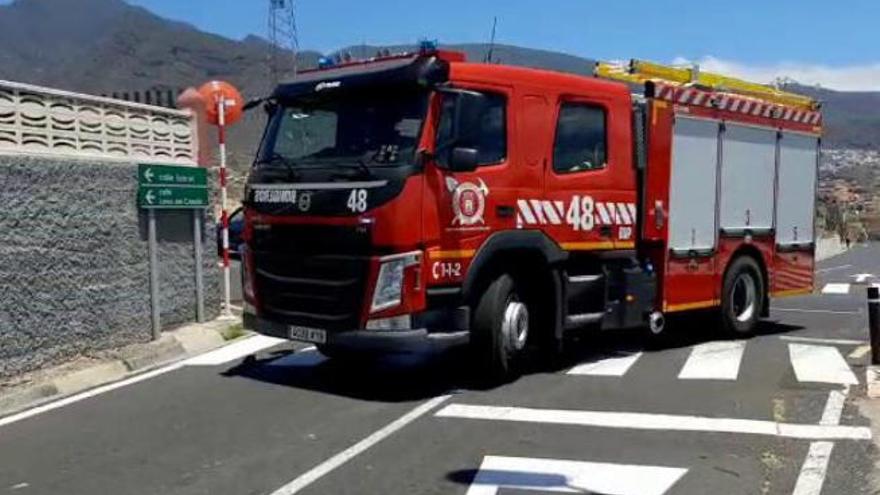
(74,265)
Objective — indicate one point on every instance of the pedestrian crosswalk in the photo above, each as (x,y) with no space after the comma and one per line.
(810,360)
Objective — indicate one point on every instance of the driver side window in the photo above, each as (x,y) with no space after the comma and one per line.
(490,139)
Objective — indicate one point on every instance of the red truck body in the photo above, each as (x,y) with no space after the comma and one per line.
(575,202)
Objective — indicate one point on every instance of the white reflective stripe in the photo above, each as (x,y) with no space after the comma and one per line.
(550,211)
(816,117)
(757,110)
(723,103)
(538,210)
(769,111)
(798,115)
(685,96)
(322,185)
(560,207)
(735,104)
(632,211)
(746,106)
(623,213)
(698,97)
(787,115)
(525,211)
(603,213)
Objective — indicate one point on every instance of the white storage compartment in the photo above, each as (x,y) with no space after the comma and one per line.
(692,194)
(796,197)
(748,167)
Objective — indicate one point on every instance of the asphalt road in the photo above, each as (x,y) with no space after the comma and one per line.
(622,414)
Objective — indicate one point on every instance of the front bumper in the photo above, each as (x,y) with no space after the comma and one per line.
(407,341)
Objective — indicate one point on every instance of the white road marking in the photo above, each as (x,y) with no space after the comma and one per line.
(88,394)
(650,421)
(832,268)
(834,407)
(859,352)
(835,288)
(556,475)
(862,277)
(714,361)
(812,475)
(234,351)
(341,458)
(823,311)
(814,340)
(612,366)
(818,363)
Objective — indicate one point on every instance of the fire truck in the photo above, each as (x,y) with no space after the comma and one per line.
(418,200)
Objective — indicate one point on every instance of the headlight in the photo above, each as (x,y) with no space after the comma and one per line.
(389,283)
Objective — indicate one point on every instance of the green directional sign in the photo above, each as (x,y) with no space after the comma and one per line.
(169,186)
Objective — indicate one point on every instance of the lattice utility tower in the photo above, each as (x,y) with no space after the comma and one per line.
(284,39)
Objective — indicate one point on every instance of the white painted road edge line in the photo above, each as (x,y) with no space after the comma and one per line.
(341,458)
(89,393)
(822,311)
(795,338)
(650,421)
(812,475)
(832,268)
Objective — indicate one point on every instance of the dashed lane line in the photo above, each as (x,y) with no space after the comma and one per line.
(652,421)
(835,288)
(346,455)
(815,467)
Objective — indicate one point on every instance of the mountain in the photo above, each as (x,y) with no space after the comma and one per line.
(107,46)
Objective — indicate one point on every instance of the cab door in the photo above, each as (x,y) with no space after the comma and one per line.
(590,184)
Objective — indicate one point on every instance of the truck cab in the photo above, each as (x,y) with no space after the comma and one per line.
(417,200)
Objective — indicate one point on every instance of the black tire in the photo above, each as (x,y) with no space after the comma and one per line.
(496,356)
(742,297)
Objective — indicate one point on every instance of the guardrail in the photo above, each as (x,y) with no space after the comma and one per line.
(38,120)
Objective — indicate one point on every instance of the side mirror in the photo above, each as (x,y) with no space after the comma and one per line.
(470,107)
(463,159)
(270,107)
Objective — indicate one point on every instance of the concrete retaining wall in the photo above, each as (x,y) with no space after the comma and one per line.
(827,247)
(74,266)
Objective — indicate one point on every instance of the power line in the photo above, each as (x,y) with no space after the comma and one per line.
(284,39)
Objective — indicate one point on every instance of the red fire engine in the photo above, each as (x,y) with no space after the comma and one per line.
(411,200)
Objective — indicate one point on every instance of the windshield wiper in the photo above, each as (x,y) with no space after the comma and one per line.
(276,158)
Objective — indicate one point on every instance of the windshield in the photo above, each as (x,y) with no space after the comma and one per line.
(365,128)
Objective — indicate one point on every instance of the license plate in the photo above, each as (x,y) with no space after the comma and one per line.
(307,334)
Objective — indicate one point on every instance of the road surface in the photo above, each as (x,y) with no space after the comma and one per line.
(690,415)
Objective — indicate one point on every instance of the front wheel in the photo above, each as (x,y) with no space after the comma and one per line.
(500,329)
(742,297)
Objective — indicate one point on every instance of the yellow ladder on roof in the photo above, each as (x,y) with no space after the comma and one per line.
(640,71)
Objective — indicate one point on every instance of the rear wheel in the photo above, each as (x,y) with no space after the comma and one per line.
(500,330)
(743,297)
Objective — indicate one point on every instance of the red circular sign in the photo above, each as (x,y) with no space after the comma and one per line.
(216,93)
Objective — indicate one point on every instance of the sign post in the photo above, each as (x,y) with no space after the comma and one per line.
(224,107)
(166,187)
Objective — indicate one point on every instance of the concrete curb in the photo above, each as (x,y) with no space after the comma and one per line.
(131,360)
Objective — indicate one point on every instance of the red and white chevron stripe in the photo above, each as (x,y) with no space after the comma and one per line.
(683,95)
(546,212)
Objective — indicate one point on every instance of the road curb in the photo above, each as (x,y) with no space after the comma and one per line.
(128,361)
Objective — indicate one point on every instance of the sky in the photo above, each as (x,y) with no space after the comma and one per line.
(832,43)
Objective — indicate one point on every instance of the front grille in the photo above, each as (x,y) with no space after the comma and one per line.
(312,275)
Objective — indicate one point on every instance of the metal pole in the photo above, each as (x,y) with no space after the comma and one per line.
(874,322)
(200,286)
(154,273)
(224,218)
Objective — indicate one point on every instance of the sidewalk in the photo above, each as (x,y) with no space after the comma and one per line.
(36,388)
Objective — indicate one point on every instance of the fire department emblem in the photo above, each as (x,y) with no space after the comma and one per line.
(468,201)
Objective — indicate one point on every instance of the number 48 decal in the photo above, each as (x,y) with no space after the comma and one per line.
(357,200)
(580,213)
